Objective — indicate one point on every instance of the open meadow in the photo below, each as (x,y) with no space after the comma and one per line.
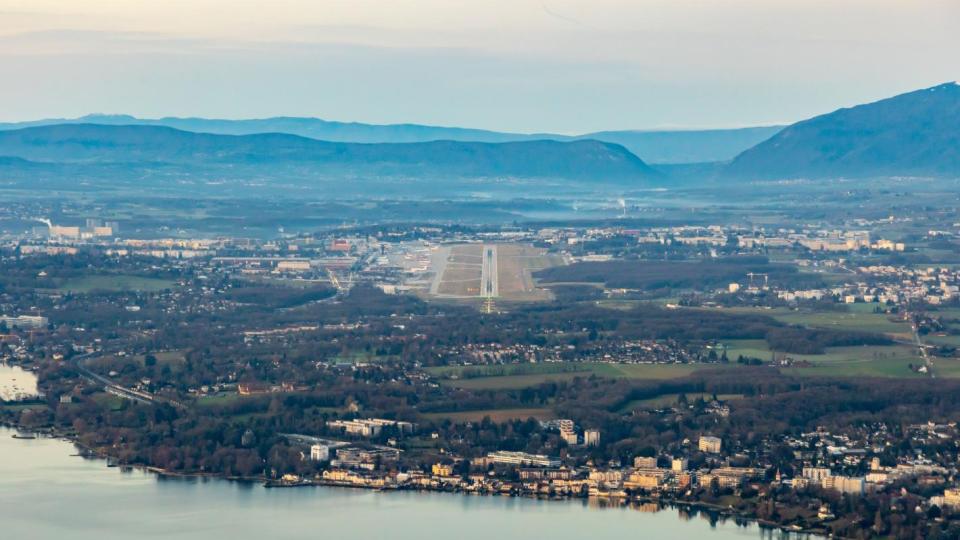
(114,282)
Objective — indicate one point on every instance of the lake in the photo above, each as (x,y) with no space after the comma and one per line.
(45,492)
(16,383)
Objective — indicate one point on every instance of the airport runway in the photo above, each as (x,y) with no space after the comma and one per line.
(489,287)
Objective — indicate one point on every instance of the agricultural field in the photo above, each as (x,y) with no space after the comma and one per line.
(948,340)
(855,317)
(863,361)
(890,365)
(950,317)
(948,368)
(859,317)
(119,282)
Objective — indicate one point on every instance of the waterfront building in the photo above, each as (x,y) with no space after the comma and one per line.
(646,479)
(441,469)
(364,458)
(562,473)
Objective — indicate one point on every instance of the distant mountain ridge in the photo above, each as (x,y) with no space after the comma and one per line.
(678,146)
(137,144)
(912,134)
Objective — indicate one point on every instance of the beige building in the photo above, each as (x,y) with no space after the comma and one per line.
(951,497)
(710,445)
(640,462)
(440,469)
(591,437)
(844,484)
(645,479)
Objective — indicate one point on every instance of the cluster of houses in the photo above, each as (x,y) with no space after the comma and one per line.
(625,351)
(882,284)
(841,463)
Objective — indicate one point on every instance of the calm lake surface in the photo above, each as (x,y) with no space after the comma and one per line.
(45,492)
(16,383)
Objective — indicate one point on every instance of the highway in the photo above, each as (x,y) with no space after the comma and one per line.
(118,390)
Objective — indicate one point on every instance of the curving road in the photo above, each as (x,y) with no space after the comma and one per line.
(118,390)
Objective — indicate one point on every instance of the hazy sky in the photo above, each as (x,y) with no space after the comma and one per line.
(522,65)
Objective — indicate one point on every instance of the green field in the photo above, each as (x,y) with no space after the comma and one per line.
(217,400)
(866,361)
(668,400)
(548,372)
(948,316)
(890,366)
(360,357)
(853,317)
(109,401)
(947,367)
(946,340)
(119,282)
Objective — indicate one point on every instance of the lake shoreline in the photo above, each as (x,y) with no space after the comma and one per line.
(718,511)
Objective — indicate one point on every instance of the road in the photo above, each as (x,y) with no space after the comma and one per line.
(918,343)
(927,361)
(118,390)
(489,285)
